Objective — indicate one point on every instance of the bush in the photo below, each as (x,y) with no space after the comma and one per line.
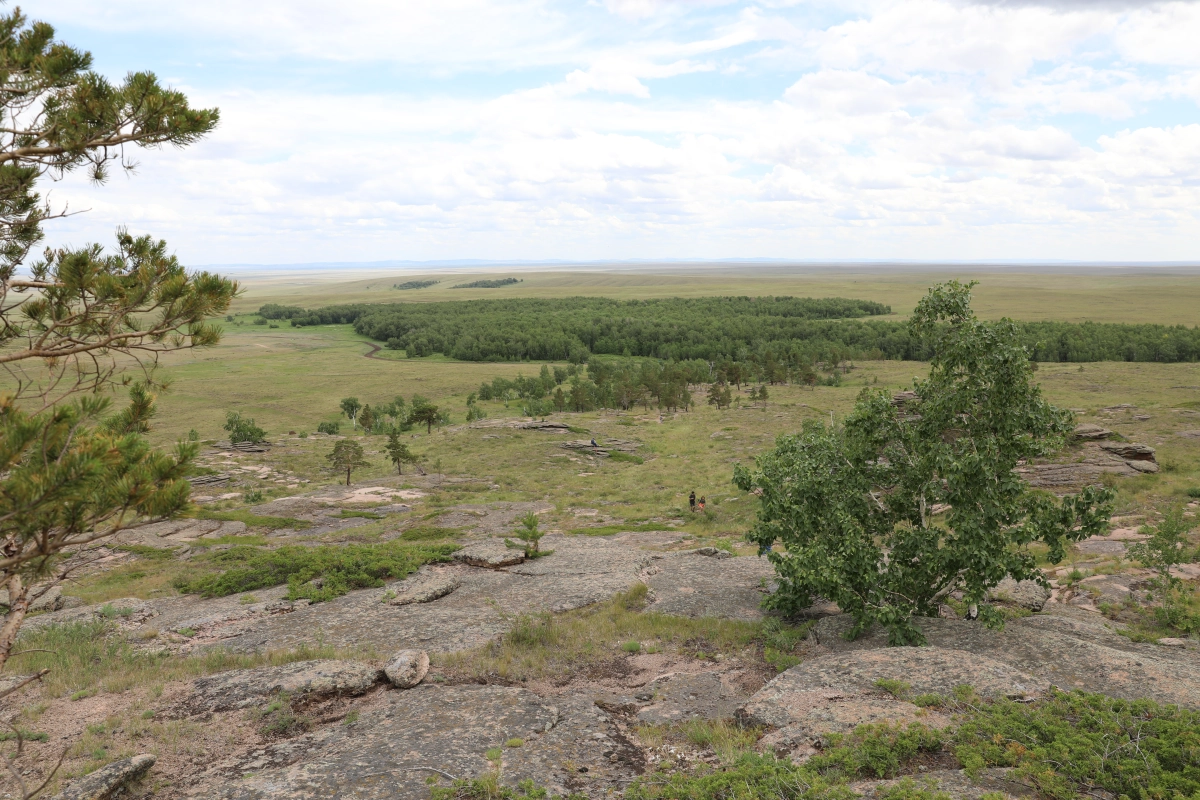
(312,573)
(243,430)
(330,428)
(1090,743)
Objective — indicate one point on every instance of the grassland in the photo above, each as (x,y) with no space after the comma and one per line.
(1070,295)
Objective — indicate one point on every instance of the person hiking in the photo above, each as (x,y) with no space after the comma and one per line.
(702,503)
(594,443)
(692,502)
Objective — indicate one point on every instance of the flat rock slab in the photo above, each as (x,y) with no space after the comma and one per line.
(581,571)
(490,553)
(492,519)
(244,688)
(1025,594)
(836,693)
(684,696)
(696,585)
(1068,648)
(424,589)
(568,745)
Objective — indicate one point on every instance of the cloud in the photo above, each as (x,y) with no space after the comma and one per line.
(893,128)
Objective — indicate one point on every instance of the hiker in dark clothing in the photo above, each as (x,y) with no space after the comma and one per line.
(692,502)
(594,443)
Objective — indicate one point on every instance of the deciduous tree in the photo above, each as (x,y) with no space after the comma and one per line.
(853,503)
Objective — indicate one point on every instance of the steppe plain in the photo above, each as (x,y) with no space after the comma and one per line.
(638,643)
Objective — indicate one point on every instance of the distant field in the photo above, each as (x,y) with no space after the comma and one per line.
(1100,295)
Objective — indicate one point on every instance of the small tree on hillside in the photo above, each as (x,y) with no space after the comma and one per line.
(242,429)
(853,503)
(719,395)
(398,452)
(367,417)
(425,415)
(350,407)
(347,455)
(530,536)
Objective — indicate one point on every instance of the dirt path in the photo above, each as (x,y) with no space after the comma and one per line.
(371,353)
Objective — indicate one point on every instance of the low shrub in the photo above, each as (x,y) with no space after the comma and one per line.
(330,428)
(311,573)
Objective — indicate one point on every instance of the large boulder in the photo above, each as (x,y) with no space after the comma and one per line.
(425,589)
(407,668)
(1025,594)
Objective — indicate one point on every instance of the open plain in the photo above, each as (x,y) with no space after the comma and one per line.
(637,646)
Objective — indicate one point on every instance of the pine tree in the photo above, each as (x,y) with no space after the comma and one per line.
(71,473)
(347,455)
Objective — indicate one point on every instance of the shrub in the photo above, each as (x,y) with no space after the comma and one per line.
(312,573)
(243,430)
(330,428)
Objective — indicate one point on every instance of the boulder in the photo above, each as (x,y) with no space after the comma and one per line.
(683,696)
(407,668)
(425,590)
(1091,432)
(1026,594)
(244,688)
(1130,451)
(108,781)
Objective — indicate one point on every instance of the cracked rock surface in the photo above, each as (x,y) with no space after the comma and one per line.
(410,736)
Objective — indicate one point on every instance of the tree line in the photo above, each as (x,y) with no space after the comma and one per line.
(791,330)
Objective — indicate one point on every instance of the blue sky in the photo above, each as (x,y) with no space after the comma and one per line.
(615,129)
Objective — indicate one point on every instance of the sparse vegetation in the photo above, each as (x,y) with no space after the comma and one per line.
(311,573)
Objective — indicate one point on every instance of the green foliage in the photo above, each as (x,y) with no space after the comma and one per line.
(330,428)
(792,330)
(879,751)
(632,647)
(530,535)
(1167,547)
(414,284)
(851,502)
(489,788)
(493,283)
(1087,743)
(780,641)
(894,687)
(339,568)
(243,430)
(347,455)
(424,414)
(252,496)
(625,458)
(908,789)
(146,551)
(750,777)
(350,407)
(428,534)
(1194,491)
(572,329)
(398,452)
(276,311)
(719,395)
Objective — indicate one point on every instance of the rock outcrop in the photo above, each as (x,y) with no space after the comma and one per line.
(108,781)
(407,668)
(567,745)
(244,688)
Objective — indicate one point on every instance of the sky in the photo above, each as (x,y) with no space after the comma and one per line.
(943,130)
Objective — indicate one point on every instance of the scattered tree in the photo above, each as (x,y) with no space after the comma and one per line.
(425,414)
(347,455)
(530,536)
(399,453)
(350,407)
(1166,548)
(852,503)
(719,395)
(242,429)
(71,473)
(367,418)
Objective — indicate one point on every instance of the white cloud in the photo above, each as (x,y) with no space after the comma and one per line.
(907,129)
